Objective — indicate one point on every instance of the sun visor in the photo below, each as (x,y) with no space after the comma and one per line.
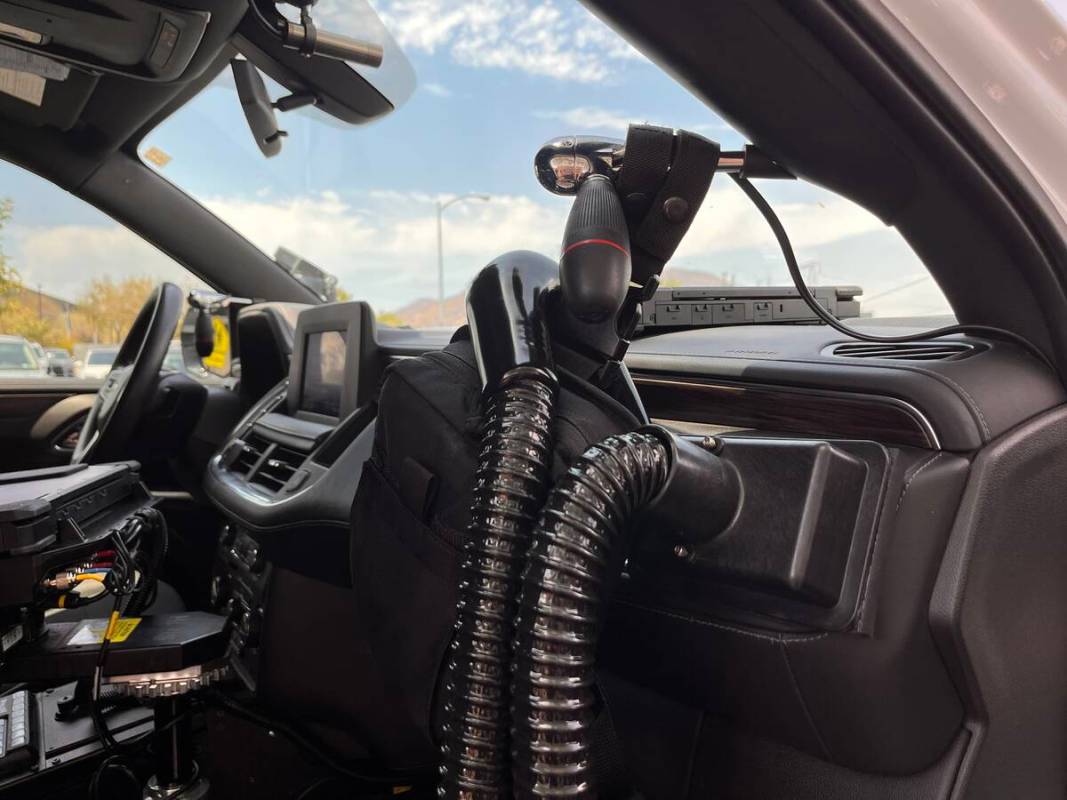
(140,40)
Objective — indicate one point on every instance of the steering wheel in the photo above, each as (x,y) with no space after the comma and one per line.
(122,401)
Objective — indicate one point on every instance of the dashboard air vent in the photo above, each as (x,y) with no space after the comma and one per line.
(905,351)
(251,450)
(278,468)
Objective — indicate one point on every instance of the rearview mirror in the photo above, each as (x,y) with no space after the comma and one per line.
(256,103)
(352,92)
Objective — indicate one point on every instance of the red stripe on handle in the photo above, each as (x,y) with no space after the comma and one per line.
(608,242)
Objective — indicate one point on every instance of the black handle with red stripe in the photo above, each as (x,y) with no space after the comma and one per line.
(594,265)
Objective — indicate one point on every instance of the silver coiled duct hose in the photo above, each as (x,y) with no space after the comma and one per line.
(509,490)
(576,548)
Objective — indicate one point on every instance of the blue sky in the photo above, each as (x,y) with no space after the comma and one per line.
(495,79)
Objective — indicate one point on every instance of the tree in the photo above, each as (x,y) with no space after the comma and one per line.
(9,278)
(16,317)
(106,310)
(103,314)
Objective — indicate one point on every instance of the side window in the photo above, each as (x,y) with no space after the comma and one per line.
(71,281)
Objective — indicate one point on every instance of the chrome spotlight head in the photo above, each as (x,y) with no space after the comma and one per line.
(562,164)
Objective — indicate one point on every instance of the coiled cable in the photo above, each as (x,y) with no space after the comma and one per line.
(509,489)
(576,550)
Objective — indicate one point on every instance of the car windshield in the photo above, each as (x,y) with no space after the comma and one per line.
(101,358)
(16,355)
(404,211)
(57,352)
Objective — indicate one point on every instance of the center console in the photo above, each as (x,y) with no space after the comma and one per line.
(287,476)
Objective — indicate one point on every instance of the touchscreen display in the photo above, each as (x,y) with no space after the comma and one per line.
(324,373)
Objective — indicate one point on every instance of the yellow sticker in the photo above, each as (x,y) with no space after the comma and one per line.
(92,631)
(217,359)
(156,156)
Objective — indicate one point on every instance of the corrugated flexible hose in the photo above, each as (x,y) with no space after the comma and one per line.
(576,547)
(510,486)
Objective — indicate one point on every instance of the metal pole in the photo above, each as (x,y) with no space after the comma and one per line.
(440,268)
(440,250)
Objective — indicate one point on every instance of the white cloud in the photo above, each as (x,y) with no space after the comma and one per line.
(588,119)
(63,259)
(557,40)
(728,221)
(382,245)
(383,248)
(437,90)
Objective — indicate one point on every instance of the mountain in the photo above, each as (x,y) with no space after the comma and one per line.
(422,313)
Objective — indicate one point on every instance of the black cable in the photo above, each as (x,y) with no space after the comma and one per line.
(119,760)
(150,564)
(122,582)
(107,739)
(780,234)
(313,789)
(375,778)
(112,763)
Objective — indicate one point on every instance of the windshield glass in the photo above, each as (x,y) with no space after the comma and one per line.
(445,183)
(16,355)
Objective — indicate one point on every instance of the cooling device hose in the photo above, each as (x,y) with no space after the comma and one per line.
(511,346)
(578,547)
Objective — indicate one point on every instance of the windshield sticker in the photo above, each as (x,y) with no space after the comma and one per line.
(157,157)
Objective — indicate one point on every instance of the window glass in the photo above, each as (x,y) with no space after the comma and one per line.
(17,355)
(71,280)
(446,182)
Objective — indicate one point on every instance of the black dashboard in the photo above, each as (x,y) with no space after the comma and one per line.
(914,414)
(285,468)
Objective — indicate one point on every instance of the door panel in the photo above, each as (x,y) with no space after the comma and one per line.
(36,416)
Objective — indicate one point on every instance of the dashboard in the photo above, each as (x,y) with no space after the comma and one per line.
(914,415)
(292,461)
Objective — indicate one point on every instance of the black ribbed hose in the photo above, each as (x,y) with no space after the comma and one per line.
(510,486)
(577,547)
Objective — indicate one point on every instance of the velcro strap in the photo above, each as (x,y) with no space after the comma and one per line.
(648,160)
(658,233)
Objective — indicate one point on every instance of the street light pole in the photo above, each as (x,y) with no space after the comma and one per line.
(441,251)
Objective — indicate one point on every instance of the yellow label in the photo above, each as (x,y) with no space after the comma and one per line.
(157,156)
(217,359)
(92,631)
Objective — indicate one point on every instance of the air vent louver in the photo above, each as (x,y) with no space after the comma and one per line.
(278,468)
(252,449)
(905,351)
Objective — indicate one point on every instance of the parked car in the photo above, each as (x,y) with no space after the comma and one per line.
(18,359)
(41,356)
(59,362)
(97,362)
